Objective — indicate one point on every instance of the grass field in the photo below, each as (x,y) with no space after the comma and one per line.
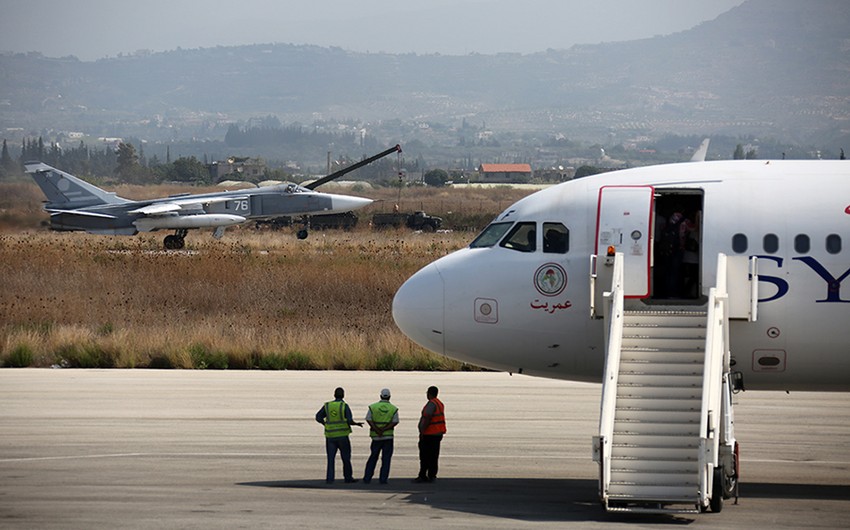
(254,299)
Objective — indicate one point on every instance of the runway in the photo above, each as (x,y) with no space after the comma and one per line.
(241,449)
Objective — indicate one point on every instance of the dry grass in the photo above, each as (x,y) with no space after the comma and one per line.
(85,300)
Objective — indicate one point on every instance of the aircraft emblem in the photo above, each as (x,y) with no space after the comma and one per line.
(550,279)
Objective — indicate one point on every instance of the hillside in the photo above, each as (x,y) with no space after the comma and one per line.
(777,68)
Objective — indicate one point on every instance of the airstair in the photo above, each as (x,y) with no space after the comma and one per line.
(666,442)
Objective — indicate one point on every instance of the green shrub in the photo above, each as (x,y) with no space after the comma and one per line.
(204,358)
(160,361)
(388,361)
(86,356)
(298,361)
(272,361)
(20,357)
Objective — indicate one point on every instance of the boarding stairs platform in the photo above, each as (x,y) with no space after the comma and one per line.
(655,437)
(666,442)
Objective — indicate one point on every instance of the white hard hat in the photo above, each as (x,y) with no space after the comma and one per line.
(385,393)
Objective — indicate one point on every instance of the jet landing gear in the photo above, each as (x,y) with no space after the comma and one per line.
(175,241)
(302,234)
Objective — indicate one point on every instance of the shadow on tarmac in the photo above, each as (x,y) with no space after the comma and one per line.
(531,500)
(825,492)
(543,500)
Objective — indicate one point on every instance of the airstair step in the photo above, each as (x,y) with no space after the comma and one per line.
(674,370)
(684,350)
(643,438)
(687,478)
(651,355)
(653,493)
(666,392)
(645,403)
(630,320)
(652,507)
(661,416)
(658,427)
(667,314)
(683,465)
(665,326)
(683,331)
(662,380)
(662,343)
(653,453)
(665,318)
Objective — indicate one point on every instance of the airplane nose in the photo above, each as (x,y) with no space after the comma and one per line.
(345,203)
(418,308)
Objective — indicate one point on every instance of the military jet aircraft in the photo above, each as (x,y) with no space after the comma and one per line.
(76,205)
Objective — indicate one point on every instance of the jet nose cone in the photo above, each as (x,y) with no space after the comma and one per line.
(345,203)
(418,308)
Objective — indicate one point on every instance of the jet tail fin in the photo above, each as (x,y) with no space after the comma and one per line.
(702,150)
(67,192)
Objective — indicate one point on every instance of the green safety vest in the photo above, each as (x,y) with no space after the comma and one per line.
(336,426)
(382,414)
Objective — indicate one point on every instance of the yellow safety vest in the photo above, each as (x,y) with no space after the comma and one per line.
(383,413)
(336,426)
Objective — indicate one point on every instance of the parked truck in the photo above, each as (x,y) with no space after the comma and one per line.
(416,221)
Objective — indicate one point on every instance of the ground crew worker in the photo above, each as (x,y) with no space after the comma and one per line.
(382,417)
(432,427)
(336,417)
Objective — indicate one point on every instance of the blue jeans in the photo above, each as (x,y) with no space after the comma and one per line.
(385,448)
(343,444)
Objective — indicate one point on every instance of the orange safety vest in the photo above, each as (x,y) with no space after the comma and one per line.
(437,424)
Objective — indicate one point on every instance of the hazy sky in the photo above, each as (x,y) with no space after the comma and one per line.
(93,29)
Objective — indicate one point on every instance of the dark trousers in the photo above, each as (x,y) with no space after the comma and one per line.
(429,455)
(385,448)
(343,444)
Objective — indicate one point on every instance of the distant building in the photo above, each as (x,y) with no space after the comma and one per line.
(519,173)
(237,168)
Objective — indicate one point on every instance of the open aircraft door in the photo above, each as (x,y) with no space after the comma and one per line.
(624,221)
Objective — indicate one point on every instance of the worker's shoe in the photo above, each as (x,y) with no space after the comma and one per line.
(420,480)
(350,480)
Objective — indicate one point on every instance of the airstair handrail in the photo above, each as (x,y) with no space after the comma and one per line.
(716,357)
(614,300)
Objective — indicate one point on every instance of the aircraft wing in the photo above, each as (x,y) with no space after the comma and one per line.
(166,207)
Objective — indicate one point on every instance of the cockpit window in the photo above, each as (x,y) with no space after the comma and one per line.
(522,237)
(491,235)
(556,238)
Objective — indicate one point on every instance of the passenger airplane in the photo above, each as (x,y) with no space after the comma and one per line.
(76,205)
(521,298)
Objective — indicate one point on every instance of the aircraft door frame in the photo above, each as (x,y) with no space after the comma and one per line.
(624,221)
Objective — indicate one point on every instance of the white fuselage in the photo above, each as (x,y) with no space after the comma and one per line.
(528,311)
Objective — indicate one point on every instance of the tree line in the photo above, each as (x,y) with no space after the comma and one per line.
(122,164)
(128,165)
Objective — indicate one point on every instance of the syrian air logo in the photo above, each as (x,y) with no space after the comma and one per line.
(847,210)
(550,279)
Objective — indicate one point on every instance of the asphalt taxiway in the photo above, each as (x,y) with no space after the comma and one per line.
(234,449)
